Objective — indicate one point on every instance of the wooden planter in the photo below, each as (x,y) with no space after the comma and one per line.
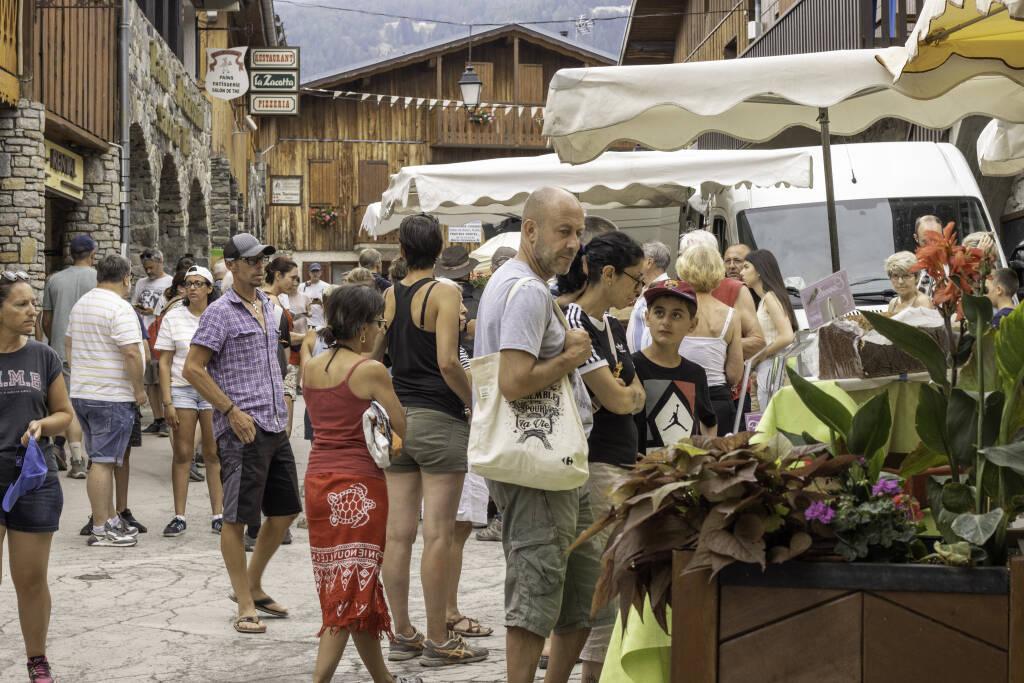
(823,622)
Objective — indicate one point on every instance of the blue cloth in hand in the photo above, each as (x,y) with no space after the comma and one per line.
(33,474)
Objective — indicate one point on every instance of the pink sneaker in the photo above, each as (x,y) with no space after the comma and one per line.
(39,670)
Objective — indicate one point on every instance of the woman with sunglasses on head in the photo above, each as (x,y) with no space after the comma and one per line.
(184,407)
(899,268)
(36,405)
(607,273)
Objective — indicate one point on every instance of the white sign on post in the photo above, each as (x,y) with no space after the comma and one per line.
(470,232)
(226,77)
(827,300)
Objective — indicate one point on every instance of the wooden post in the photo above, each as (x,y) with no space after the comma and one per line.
(440,81)
(694,623)
(515,70)
(1016,606)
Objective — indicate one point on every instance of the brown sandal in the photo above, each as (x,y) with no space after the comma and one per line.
(250,625)
(475,630)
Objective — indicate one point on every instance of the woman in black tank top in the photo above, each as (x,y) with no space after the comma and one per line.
(423,342)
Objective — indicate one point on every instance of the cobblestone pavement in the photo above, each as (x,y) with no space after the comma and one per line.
(159,611)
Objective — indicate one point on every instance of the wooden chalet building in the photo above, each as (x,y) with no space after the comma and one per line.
(339,152)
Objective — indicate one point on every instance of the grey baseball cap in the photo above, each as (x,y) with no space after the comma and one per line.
(244,245)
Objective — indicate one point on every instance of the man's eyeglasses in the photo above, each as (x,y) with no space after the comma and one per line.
(256,260)
(15,276)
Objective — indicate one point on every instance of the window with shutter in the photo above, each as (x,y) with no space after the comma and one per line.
(324,179)
(372,180)
(531,84)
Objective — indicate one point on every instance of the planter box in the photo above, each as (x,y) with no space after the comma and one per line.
(823,622)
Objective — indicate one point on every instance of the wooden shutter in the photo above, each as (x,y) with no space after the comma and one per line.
(372,180)
(531,84)
(324,182)
(485,70)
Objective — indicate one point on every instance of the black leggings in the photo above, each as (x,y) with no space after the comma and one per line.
(725,410)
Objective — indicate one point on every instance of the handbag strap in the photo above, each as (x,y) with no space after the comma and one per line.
(611,339)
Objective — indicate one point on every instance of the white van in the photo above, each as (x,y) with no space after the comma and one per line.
(881,188)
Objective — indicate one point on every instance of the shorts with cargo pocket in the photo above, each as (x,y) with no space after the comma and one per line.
(545,590)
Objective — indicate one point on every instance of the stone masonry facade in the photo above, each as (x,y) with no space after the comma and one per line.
(170,193)
(22,179)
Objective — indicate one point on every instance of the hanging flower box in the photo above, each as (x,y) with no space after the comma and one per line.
(481,117)
(326,216)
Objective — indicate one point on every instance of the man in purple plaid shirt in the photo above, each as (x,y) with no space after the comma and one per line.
(233,364)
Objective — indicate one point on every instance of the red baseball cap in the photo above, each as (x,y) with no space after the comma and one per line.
(676,288)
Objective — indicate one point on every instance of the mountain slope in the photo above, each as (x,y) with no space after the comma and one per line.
(332,40)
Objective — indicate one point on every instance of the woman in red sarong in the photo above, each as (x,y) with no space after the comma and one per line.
(346,495)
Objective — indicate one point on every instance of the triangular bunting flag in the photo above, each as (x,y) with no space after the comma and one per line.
(394,99)
(420,101)
(444,105)
(380,98)
(364,97)
(337,94)
(521,110)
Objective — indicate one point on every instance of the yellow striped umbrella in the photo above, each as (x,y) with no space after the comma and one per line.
(974,29)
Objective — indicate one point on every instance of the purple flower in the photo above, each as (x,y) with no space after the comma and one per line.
(885,487)
(820,512)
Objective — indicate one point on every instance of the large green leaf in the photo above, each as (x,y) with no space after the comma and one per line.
(993,416)
(931,419)
(1010,456)
(978,310)
(968,379)
(914,342)
(1010,350)
(957,497)
(920,460)
(977,529)
(943,518)
(962,426)
(869,432)
(824,407)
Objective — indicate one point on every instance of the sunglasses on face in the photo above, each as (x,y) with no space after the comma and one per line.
(15,276)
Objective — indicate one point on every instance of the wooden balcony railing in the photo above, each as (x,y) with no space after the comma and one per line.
(454,128)
(9,48)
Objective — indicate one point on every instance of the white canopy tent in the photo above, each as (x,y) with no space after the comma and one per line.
(666,106)
(615,180)
(1001,149)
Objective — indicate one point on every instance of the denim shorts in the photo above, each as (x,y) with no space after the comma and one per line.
(36,512)
(188,398)
(107,427)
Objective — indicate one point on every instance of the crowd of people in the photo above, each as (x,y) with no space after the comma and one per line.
(651,358)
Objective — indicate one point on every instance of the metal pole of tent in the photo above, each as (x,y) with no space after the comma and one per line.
(830,194)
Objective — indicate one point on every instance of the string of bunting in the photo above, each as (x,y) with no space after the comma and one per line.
(427,102)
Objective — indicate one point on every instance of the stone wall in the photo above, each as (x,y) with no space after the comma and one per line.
(22,180)
(170,146)
(222,207)
(99,213)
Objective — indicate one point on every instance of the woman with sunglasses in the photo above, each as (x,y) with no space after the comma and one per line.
(36,405)
(608,271)
(184,407)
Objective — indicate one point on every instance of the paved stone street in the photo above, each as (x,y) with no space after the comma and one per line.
(159,611)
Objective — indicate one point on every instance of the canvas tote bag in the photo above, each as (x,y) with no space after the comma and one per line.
(537,441)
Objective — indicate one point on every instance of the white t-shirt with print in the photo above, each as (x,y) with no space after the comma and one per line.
(100,324)
(176,332)
(148,292)
(316,311)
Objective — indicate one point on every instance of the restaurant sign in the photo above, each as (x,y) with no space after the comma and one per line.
(274,81)
(274,58)
(275,104)
(65,171)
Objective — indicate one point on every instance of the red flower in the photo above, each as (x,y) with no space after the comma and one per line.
(954,268)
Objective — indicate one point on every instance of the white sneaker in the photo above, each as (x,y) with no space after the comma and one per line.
(77,467)
(112,537)
(124,529)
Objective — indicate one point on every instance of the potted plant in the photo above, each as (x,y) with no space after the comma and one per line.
(797,561)
(481,117)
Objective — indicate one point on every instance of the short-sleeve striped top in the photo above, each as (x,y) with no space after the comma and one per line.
(101,322)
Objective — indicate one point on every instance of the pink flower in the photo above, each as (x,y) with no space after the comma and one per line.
(820,512)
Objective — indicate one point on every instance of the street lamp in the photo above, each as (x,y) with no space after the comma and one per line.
(470,85)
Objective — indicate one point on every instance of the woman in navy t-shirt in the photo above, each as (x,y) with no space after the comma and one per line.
(35,404)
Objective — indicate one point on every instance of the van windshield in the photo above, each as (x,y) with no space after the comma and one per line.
(870,230)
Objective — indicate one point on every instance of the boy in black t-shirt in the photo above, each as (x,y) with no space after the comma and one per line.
(678,403)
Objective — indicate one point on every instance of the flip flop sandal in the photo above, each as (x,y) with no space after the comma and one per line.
(265,605)
(250,625)
(475,630)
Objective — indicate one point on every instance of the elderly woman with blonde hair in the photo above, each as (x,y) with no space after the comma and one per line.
(716,343)
(899,268)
